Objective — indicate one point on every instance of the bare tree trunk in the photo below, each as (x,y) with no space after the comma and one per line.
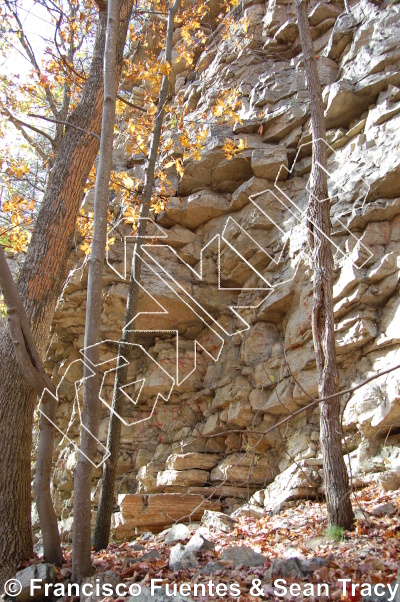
(42,485)
(101,534)
(336,478)
(39,286)
(81,560)
(31,364)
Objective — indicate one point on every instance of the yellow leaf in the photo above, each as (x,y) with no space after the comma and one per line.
(128,182)
(184,140)
(169,145)
(165,68)
(203,134)
(229,149)
(219,108)
(179,167)
(85,247)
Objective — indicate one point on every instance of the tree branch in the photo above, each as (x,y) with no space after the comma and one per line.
(15,120)
(313,404)
(25,347)
(31,56)
(131,104)
(28,138)
(66,123)
(69,66)
(101,4)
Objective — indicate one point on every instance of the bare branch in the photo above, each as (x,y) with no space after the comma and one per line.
(131,104)
(17,124)
(313,404)
(66,123)
(25,347)
(31,56)
(16,120)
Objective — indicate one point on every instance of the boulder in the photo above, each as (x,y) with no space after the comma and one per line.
(45,572)
(388,509)
(158,596)
(295,568)
(242,555)
(182,559)
(247,388)
(300,480)
(108,577)
(390,481)
(177,532)
(210,568)
(218,521)
(199,542)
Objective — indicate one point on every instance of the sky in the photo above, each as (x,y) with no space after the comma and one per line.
(38,27)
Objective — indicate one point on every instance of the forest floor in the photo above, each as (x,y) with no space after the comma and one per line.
(367,555)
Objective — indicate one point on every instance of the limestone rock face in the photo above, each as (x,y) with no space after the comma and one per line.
(182,478)
(299,480)
(192,461)
(242,470)
(224,341)
(155,512)
(267,162)
(197,209)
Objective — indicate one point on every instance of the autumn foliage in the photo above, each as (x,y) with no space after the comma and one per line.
(34,109)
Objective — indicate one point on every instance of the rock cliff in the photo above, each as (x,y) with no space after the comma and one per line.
(230,251)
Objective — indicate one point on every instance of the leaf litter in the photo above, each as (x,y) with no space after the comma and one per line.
(368,554)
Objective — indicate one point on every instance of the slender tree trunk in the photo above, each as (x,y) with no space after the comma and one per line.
(336,477)
(103,519)
(81,560)
(39,285)
(101,534)
(42,485)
